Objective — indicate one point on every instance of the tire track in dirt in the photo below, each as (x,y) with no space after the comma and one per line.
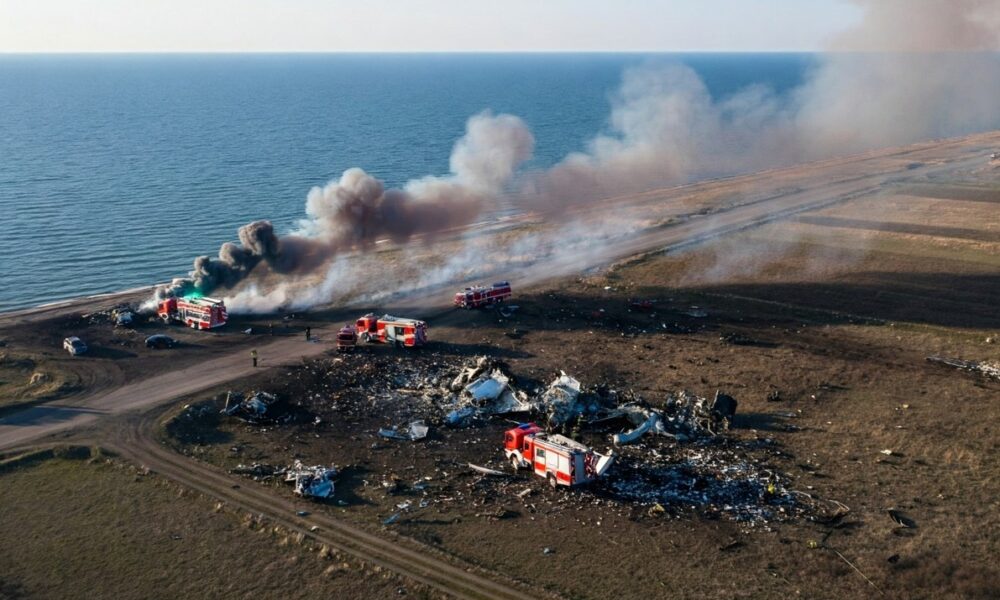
(135,441)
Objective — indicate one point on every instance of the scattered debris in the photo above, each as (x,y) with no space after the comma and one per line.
(987,369)
(508,310)
(695,415)
(687,466)
(560,399)
(899,518)
(311,482)
(713,481)
(460,416)
(485,388)
(260,407)
(416,430)
(648,420)
(487,471)
(258,471)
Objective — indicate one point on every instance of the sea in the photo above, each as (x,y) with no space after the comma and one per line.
(117,170)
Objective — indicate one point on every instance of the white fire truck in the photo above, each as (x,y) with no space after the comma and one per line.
(557,458)
(479,295)
(198,313)
(392,330)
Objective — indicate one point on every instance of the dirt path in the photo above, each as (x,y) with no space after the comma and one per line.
(135,441)
(27,426)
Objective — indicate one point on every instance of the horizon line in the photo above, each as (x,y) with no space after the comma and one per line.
(479,51)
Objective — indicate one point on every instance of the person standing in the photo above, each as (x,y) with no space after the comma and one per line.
(253,356)
(308,333)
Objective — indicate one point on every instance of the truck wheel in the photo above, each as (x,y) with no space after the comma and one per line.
(366,338)
(552,480)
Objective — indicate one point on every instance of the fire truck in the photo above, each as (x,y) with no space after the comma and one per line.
(392,330)
(198,313)
(347,339)
(480,295)
(557,458)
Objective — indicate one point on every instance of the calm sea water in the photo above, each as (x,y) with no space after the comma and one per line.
(115,171)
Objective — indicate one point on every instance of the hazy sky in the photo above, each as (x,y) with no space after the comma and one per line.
(418,25)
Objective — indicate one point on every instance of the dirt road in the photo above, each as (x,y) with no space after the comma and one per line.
(25,427)
(135,441)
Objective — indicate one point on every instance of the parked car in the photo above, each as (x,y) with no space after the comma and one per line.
(160,341)
(74,345)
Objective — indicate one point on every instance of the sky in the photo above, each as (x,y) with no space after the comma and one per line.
(420,25)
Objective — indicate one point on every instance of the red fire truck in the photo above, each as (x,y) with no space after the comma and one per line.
(480,295)
(392,330)
(557,458)
(347,339)
(199,313)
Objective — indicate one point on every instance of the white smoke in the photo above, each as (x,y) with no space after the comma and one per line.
(911,70)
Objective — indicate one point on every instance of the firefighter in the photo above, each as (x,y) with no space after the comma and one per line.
(270,328)
(253,356)
(308,333)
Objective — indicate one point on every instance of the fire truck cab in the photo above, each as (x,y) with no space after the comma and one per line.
(347,339)
(560,460)
(197,313)
(479,295)
(387,329)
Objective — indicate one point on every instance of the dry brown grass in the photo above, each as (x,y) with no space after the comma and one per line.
(101,529)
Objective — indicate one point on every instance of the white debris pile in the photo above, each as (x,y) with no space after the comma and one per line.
(416,430)
(984,368)
(485,388)
(560,400)
(645,421)
(311,482)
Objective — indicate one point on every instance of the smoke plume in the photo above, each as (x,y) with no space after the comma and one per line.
(911,70)
(357,210)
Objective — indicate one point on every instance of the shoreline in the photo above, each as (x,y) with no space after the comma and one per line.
(97,300)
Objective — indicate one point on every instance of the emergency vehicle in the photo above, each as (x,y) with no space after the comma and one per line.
(198,313)
(347,339)
(392,330)
(557,458)
(480,295)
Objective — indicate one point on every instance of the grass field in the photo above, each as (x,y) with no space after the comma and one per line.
(102,529)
